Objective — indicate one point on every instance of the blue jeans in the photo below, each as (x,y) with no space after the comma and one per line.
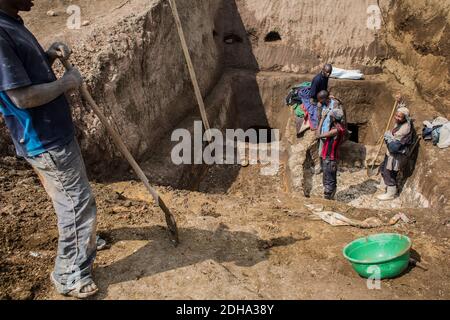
(63,175)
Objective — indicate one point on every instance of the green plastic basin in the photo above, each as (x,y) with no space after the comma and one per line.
(383,255)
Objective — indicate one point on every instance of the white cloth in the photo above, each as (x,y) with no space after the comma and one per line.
(439,121)
(444,136)
(347,74)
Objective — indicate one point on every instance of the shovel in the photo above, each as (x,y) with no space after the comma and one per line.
(170,219)
(371,169)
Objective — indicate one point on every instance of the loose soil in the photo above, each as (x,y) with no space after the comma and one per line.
(243,235)
(252,243)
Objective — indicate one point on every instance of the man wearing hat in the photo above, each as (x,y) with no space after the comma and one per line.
(330,152)
(327,104)
(397,141)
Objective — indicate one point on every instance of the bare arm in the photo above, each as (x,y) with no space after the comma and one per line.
(329,134)
(38,95)
(319,128)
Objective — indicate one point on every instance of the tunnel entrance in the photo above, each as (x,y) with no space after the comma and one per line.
(354,132)
(272,36)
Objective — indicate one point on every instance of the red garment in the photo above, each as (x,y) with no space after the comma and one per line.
(307,117)
(331,146)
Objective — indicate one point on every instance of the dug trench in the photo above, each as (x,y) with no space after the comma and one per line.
(244,235)
(244,99)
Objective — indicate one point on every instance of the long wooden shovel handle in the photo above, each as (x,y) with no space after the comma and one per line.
(382,140)
(187,56)
(171,223)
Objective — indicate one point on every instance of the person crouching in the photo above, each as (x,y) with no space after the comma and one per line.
(330,152)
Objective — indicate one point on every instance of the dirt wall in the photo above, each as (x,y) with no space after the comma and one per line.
(312,32)
(417,34)
(134,66)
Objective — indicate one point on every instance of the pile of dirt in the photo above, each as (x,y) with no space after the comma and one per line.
(27,226)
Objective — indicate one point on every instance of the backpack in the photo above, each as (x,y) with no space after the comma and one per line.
(293,96)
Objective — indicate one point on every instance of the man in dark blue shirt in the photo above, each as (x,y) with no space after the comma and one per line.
(320,82)
(33,103)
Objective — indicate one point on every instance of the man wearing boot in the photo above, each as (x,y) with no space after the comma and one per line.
(397,141)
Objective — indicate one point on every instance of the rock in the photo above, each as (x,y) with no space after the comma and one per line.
(51,13)
(85,23)
(127,204)
(35,254)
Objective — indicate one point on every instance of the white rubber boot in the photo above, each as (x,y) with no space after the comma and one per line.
(390,194)
(382,186)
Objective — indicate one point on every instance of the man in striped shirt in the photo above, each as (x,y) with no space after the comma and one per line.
(330,152)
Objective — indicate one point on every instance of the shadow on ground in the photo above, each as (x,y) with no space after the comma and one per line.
(242,248)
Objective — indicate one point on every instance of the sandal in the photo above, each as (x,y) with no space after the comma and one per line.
(78,292)
(101,244)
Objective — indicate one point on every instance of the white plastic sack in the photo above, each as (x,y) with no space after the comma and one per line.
(444,136)
(347,74)
(439,121)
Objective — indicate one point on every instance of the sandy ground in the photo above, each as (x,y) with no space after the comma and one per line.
(250,240)
(357,190)
(240,245)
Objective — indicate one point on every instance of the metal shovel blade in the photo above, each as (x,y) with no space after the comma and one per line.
(171,223)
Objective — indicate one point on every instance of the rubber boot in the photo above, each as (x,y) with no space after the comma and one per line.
(390,194)
(382,186)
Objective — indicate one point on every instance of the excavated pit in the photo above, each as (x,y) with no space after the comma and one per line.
(250,93)
(238,68)
(140,80)
(246,99)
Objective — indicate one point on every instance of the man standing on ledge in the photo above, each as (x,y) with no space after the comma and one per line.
(320,83)
(38,116)
(310,99)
